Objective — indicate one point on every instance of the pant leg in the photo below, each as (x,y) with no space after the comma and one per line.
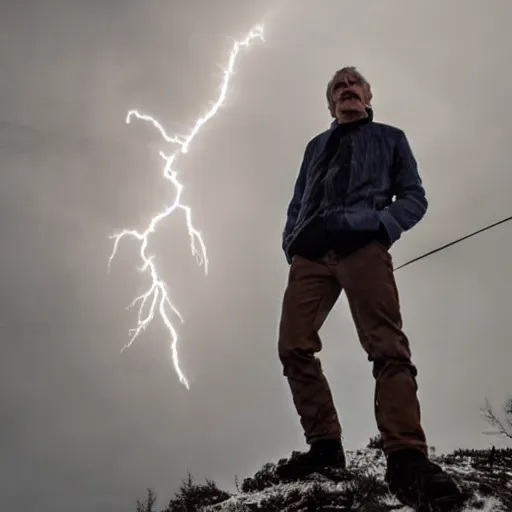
(310,295)
(368,279)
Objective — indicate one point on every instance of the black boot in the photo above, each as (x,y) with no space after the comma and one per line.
(324,453)
(421,484)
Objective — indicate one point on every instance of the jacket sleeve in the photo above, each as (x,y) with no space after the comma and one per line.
(410,204)
(294,205)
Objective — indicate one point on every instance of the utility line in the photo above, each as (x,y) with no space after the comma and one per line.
(453,243)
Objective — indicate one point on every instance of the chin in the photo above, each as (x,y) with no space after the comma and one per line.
(350,111)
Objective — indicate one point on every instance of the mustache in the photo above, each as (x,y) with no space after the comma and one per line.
(350,94)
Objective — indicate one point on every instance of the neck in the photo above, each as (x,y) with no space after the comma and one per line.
(351,116)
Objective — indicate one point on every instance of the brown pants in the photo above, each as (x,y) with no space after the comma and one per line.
(368,280)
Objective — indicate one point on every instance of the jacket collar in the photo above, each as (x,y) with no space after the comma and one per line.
(368,119)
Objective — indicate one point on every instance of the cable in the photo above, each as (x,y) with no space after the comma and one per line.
(453,243)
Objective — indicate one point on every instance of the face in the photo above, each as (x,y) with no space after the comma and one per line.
(350,95)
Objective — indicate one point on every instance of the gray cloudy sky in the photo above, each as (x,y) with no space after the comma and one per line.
(86,428)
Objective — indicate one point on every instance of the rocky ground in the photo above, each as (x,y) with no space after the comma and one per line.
(486,480)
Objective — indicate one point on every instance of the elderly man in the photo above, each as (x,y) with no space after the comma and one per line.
(358,189)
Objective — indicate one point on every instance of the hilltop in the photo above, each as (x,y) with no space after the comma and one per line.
(484,476)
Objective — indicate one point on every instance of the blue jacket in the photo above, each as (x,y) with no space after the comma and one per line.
(383,187)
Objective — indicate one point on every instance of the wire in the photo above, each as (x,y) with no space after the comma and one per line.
(453,243)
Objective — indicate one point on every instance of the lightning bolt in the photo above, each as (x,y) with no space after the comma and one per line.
(156,300)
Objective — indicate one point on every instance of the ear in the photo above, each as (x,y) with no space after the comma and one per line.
(368,94)
(330,108)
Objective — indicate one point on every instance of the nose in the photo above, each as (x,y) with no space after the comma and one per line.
(344,87)
(344,90)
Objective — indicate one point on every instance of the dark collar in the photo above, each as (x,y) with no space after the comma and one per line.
(353,124)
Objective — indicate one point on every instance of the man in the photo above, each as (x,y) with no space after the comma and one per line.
(358,189)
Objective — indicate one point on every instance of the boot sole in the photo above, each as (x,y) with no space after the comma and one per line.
(444,504)
(330,472)
(448,503)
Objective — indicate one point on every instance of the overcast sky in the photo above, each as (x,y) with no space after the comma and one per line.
(87,428)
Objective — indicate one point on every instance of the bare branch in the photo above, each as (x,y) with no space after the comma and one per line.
(503,427)
(508,406)
(148,504)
